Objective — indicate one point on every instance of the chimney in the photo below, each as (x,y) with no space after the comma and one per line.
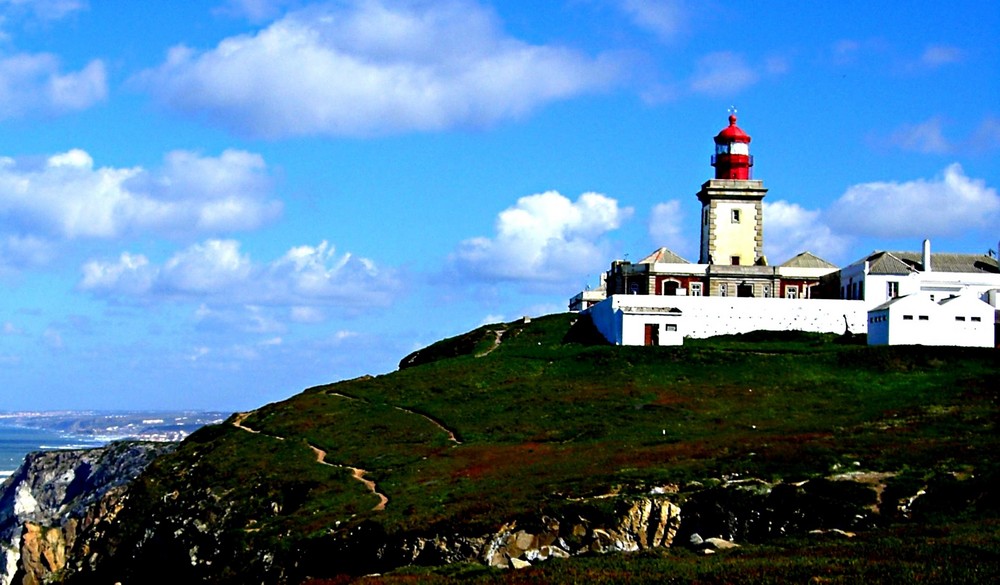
(927,256)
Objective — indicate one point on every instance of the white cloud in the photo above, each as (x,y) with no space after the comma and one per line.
(722,73)
(244,318)
(219,273)
(924,137)
(372,68)
(25,251)
(307,315)
(254,10)
(545,238)
(789,229)
(53,339)
(665,18)
(987,136)
(935,56)
(67,197)
(949,204)
(211,267)
(31,84)
(43,9)
(491,319)
(666,226)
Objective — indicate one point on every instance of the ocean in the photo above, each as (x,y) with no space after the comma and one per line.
(16,442)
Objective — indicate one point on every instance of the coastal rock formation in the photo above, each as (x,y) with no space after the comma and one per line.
(57,501)
(57,513)
(646,523)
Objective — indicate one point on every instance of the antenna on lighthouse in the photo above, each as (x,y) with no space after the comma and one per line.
(731,110)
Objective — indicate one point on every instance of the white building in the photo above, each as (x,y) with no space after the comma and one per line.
(883,276)
(917,319)
(666,320)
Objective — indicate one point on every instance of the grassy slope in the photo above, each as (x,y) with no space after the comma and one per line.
(542,419)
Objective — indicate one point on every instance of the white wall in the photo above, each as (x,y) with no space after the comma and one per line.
(710,316)
(634,328)
(917,320)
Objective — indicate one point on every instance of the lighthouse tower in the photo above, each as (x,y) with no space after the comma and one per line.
(732,214)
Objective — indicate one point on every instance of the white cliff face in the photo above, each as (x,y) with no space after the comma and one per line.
(11,553)
(25,503)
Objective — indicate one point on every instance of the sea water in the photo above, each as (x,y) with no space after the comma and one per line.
(16,442)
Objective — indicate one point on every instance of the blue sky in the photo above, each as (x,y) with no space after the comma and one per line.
(217,204)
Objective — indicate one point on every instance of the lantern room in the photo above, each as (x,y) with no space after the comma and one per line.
(732,158)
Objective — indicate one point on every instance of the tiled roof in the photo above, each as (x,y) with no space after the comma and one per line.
(807,260)
(881,262)
(663,256)
(888,263)
(952,262)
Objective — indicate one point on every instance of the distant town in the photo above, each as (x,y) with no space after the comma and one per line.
(109,426)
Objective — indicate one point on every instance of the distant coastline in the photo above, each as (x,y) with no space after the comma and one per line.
(25,432)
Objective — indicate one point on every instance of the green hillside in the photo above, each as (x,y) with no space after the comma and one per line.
(515,420)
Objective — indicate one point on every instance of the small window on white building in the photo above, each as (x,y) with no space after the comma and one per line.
(736,216)
(907,317)
(695,289)
(924,318)
(892,289)
(670,327)
(767,291)
(723,290)
(960,318)
(792,292)
(977,319)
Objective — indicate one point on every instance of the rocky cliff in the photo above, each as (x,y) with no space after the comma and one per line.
(518,444)
(58,501)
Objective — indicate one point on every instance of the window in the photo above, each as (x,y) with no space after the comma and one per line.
(736,216)
(670,327)
(696,289)
(723,290)
(704,215)
(960,318)
(907,317)
(977,319)
(767,291)
(892,289)
(843,292)
(792,292)
(924,318)
(735,260)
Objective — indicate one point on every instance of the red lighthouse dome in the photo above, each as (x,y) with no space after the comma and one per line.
(732,159)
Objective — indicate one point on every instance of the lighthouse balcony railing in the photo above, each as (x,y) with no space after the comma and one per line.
(735,158)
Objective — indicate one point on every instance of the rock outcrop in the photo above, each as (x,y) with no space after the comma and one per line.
(647,522)
(58,501)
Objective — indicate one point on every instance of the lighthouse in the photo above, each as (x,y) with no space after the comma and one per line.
(732,211)
(732,159)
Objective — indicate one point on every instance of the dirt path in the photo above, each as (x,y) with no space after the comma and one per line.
(451,434)
(440,425)
(496,343)
(356,472)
